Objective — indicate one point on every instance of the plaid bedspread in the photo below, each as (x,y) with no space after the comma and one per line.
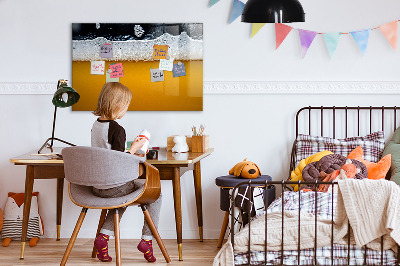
(322,205)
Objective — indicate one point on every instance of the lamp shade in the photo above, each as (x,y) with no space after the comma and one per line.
(273,11)
(65,96)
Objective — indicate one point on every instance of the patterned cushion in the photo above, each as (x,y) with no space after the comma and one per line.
(372,144)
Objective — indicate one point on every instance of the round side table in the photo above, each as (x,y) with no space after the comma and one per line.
(228,182)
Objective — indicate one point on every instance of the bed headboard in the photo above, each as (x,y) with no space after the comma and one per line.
(344,121)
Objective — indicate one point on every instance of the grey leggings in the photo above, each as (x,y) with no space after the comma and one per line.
(154,208)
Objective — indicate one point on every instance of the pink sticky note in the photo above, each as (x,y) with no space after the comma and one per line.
(117,70)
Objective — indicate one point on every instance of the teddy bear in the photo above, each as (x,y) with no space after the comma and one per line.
(180,144)
(245,169)
(13,215)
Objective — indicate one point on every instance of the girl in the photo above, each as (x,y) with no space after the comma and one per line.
(112,104)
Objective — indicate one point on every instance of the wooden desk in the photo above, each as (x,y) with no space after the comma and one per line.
(171,167)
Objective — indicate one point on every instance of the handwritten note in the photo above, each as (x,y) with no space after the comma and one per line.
(166,64)
(179,70)
(109,79)
(106,50)
(97,67)
(160,51)
(156,75)
(117,70)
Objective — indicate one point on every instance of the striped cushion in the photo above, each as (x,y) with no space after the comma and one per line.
(372,145)
(13,228)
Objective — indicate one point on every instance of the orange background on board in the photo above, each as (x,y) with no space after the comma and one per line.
(173,94)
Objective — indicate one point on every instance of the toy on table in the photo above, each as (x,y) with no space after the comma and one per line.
(180,144)
(13,215)
(245,169)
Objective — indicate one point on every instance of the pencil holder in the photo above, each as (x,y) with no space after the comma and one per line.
(200,143)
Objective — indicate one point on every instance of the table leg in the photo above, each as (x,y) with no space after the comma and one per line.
(27,206)
(60,190)
(176,183)
(199,204)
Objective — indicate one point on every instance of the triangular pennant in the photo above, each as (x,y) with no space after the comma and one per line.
(213,2)
(361,37)
(389,30)
(237,9)
(306,39)
(256,27)
(281,31)
(332,41)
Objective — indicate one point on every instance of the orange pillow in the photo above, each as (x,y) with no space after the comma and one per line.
(375,170)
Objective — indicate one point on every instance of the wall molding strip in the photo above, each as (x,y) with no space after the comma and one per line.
(245,87)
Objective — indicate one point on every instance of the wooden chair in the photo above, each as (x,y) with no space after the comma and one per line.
(85,167)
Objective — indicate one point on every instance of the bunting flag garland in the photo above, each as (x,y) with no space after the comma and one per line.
(237,9)
(281,31)
(389,30)
(306,39)
(213,2)
(332,41)
(361,37)
(256,27)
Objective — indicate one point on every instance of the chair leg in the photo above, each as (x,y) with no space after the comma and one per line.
(223,229)
(117,239)
(154,230)
(73,237)
(101,222)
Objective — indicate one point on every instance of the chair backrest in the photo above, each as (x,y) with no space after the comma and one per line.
(92,166)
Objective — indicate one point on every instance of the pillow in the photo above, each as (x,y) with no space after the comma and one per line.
(393,148)
(375,170)
(372,144)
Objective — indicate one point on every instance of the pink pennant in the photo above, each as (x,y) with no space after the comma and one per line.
(389,30)
(306,39)
(281,31)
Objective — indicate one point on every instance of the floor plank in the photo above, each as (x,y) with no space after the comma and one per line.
(50,252)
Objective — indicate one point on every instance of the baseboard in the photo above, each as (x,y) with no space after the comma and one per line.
(245,87)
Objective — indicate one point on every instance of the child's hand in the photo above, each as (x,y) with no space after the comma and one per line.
(142,155)
(137,144)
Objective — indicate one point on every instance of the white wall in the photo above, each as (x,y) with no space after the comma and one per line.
(35,47)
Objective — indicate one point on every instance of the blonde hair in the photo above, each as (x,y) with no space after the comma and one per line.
(113,97)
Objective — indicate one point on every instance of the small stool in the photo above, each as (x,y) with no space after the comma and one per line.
(226,183)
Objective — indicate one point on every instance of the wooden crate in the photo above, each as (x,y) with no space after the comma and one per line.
(200,143)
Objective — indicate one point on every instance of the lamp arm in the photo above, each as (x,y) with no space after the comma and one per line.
(54,126)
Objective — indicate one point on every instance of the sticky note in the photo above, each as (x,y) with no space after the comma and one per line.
(160,51)
(106,50)
(109,79)
(156,75)
(97,67)
(117,70)
(166,64)
(179,70)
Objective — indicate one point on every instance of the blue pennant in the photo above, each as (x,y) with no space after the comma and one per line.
(237,9)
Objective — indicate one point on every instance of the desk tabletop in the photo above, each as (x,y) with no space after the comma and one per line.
(164,157)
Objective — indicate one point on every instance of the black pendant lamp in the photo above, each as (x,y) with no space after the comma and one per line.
(273,11)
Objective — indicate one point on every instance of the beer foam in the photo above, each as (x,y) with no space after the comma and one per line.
(181,47)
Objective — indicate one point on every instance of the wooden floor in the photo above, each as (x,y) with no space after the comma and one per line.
(50,252)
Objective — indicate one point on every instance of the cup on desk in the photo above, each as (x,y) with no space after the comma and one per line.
(152,155)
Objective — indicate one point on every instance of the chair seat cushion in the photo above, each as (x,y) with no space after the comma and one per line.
(83,195)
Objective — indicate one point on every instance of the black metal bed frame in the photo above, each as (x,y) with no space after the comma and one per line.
(283,184)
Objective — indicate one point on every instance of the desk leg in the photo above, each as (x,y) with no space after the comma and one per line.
(60,190)
(199,204)
(176,182)
(27,206)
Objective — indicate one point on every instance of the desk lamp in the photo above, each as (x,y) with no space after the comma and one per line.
(63,97)
(273,11)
